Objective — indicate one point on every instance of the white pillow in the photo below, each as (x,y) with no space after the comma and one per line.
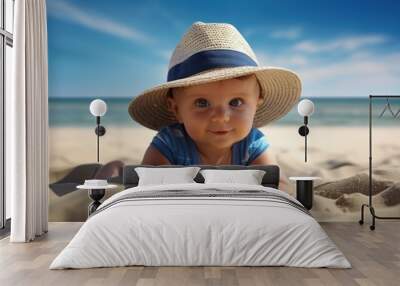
(249,177)
(162,176)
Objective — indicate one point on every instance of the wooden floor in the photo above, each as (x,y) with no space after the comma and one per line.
(374,255)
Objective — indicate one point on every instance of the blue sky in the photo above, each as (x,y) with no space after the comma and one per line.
(119,48)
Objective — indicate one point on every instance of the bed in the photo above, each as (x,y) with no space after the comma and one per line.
(201,224)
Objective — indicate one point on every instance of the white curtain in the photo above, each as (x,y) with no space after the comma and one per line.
(27,124)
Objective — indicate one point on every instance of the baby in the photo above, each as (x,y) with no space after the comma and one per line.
(215,98)
(212,117)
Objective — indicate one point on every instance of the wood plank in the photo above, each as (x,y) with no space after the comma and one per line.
(375,257)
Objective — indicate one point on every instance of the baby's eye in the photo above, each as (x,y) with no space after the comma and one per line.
(201,102)
(236,102)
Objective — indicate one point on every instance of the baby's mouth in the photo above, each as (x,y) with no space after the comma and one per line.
(220,132)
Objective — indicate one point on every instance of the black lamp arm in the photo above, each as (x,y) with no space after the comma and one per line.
(303,131)
(100,131)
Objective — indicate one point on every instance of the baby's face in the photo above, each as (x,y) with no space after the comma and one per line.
(217,114)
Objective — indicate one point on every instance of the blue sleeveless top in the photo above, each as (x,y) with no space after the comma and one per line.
(176,145)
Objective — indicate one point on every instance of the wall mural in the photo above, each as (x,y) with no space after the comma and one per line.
(116,51)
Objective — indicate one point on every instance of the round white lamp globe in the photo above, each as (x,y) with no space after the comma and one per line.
(305,107)
(98,107)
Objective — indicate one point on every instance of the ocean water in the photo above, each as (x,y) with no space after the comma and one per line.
(74,112)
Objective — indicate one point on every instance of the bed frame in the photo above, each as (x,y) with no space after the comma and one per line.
(271,178)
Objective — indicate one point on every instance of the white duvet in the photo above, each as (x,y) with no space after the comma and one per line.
(226,231)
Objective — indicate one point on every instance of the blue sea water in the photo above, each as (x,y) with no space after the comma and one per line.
(74,112)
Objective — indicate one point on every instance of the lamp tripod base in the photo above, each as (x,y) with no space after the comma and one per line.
(373,215)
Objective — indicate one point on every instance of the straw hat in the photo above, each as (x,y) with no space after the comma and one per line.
(211,52)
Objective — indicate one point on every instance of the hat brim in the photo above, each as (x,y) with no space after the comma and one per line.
(280,87)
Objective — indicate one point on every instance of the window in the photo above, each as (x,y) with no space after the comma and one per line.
(6,61)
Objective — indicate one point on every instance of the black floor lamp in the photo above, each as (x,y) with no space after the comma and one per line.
(305,108)
(98,108)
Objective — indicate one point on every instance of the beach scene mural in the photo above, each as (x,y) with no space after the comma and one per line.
(115,50)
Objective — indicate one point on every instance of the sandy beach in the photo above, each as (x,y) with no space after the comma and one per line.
(339,155)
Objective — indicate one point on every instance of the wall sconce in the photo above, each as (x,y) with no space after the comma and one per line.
(305,108)
(98,108)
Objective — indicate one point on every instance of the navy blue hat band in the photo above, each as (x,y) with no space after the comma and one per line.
(210,59)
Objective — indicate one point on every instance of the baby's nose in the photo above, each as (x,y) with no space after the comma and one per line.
(221,114)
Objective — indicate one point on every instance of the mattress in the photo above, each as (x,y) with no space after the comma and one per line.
(201,225)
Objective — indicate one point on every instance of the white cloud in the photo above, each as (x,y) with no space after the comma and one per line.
(289,33)
(286,33)
(66,11)
(347,44)
(358,73)
(354,76)
(282,59)
(165,53)
(175,21)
